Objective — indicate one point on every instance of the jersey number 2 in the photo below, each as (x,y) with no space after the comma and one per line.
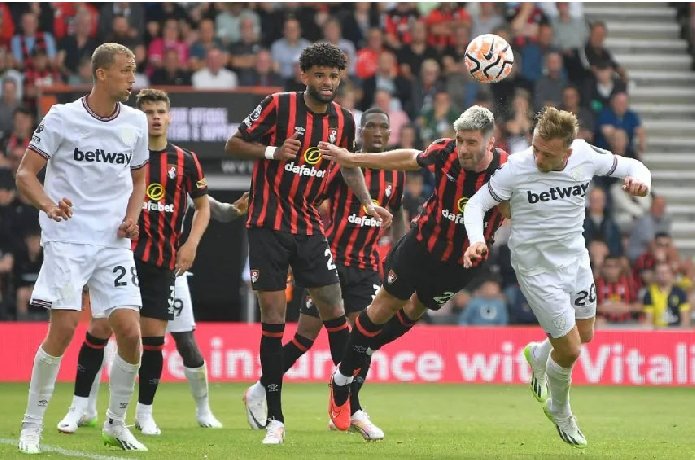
(120,272)
(580,301)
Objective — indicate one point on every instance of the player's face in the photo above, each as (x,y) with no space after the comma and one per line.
(321,83)
(120,77)
(471,148)
(158,117)
(550,155)
(375,132)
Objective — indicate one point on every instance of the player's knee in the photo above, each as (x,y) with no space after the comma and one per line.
(188,349)
(309,327)
(100,328)
(586,335)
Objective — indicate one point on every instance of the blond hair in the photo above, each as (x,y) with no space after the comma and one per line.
(552,123)
(151,95)
(475,118)
(103,56)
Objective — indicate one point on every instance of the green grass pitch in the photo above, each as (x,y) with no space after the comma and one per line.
(420,421)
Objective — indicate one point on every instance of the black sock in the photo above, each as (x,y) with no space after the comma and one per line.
(338,334)
(88,363)
(356,385)
(394,328)
(294,349)
(272,368)
(150,368)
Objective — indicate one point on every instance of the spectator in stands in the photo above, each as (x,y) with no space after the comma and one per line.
(595,52)
(519,310)
(525,19)
(425,87)
(486,307)
(533,55)
(39,74)
(570,32)
(598,251)
(599,225)
(263,73)
(368,56)
(548,88)
(410,138)
(615,294)
(620,116)
(6,25)
(397,117)
(626,209)
(600,87)
(23,126)
(398,23)
(441,22)
(9,102)
(79,45)
(84,73)
(332,33)
(518,124)
(413,196)
(437,122)
(659,250)
(7,70)
(347,99)
(386,78)
(121,33)
(648,226)
(214,75)
(31,38)
(571,102)
(460,38)
(170,40)
(412,55)
(243,53)
(27,263)
(286,50)
(461,87)
(206,41)
(171,73)
(665,304)
(228,21)
(295,83)
(485,17)
(133,12)
(358,21)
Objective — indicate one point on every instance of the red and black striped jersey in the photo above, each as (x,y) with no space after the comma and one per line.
(622,291)
(171,175)
(440,226)
(284,194)
(352,234)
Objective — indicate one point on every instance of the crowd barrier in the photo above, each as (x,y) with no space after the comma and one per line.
(427,354)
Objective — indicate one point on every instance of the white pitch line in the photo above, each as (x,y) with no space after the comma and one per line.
(67,453)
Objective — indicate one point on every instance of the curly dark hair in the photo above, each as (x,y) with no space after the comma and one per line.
(322,54)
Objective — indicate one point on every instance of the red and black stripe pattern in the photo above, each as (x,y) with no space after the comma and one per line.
(622,291)
(352,234)
(284,194)
(440,225)
(172,174)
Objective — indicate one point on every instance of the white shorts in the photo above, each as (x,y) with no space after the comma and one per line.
(108,272)
(558,299)
(183,306)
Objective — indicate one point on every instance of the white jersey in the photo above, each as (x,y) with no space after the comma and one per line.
(547,209)
(89,162)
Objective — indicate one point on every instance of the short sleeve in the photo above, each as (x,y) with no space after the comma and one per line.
(349,137)
(604,161)
(434,155)
(197,184)
(141,154)
(501,183)
(48,135)
(261,121)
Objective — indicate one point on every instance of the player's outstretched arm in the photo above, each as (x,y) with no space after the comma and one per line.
(186,253)
(397,160)
(227,212)
(239,148)
(28,184)
(473,219)
(637,177)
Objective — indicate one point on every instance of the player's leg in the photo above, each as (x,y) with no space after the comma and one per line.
(402,322)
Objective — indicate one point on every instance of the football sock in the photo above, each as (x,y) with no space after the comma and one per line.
(272,368)
(398,325)
(542,351)
(89,362)
(356,385)
(559,379)
(150,368)
(43,379)
(198,381)
(121,387)
(294,349)
(338,333)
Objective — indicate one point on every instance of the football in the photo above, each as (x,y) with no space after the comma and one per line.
(489,58)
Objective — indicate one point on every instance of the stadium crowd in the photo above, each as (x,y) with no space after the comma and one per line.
(405,58)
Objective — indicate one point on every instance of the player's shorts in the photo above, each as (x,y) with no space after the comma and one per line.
(183,306)
(157,291)
(271,253)
(358,287)
(109,273)
(558,298)
(409,268)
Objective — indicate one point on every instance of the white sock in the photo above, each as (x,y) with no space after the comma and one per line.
(542,351)
(79,404)
(258,389)
(143,410)
(121,387)
(341,379)
(43,380)
(198,381)
(91,409)
(559,379)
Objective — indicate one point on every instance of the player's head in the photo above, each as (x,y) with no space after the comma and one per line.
(474,136)
(552,138)
(375,129)
(321,65)
(113,70)
(155,103)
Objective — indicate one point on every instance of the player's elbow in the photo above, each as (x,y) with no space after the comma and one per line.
(233,146)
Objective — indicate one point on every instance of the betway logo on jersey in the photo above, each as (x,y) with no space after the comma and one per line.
(558,193)
(311,157)
(100,156)
(456,218)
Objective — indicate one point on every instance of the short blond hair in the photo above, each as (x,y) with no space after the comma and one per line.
(552,123)
(103,56)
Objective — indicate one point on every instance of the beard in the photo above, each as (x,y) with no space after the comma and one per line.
(316,95)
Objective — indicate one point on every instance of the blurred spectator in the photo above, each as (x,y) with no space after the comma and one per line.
(75,47)
(386,78)
(286,50)
(599,225)
(7,71)
(425,87)
(243,53)
(410,138)
(84,73)
(214,75)
(6,25)
(368,56)
(571,102)
(533,55)
(171,73)
(626,208)
(503,92)
(598,251)
(263,74)
(120,33)
(65,19)
(525,19)
(659,250)
(27,263)
(665,304)
(570,32)
(519,310)
(23,127)
(648,226)
(595,52)
(332,33)
(485,17)
(398,24)
(31,38)
(438,121)
(295,83)
(228,21)
(170,40)
(160,12)
(600,87)
(615,294)
(548,88)
(206,41)
(441,22)
(518,124)
(620,116)
(411,56)
(39,74)
(461,87)
(397,117)
(134,13)
(9,102)
(357,23)
(461,37)
(486,307)
(346,98)
(413,196)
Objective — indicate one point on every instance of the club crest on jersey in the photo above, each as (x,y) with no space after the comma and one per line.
(332,135)
(299,130)
(392,277)
(128,134)
(254,275)
(389,190)
(171,172)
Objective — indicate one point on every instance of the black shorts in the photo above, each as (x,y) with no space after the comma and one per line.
(357,286)
(409,268)
(272,252)
(156,290)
